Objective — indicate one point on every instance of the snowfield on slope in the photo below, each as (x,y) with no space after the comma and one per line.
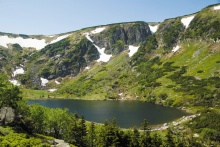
(52,90)
(59,38)
(88,37)
(186,20)
(15,82)
(217,7)
(98,30)
(29,42)
(87,67)
(132,50)
(35,43)
(153,29)
(176,48)
(43,81)
(18,71)
(58,83)
(103,57)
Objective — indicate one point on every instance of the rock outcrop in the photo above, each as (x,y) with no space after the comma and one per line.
(7,115)
(117,37)
(60,143)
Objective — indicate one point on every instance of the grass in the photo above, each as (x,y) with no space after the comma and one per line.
(107,80)
(11,138)
(37,94)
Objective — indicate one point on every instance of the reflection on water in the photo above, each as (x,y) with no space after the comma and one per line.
(127,113)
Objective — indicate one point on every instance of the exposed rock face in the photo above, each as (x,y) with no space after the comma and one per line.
(67,59)
(60,143)
(7,115)
(169,33)
(117,37)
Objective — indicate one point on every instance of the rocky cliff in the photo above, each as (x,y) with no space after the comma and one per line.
(116,38)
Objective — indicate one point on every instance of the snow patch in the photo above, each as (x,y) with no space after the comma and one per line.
(35,43)
(52,90)
(59,38)
(196,135)
(18,71)
(176,48)
(29,42)
(217,7)
(98,30)
(15,82)
(88,37)
(153,29)
(43,81)
(120,94)
(103,57)
(186,21)
(132,50)
(88,67)
(58,83)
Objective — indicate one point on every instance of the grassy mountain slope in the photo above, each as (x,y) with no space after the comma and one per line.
(70,56)
(155,73)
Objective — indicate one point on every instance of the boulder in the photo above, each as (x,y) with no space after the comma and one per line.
(7,115)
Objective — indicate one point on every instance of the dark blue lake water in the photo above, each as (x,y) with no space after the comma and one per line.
(127,113)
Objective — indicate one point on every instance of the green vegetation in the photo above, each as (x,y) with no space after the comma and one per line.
(9,94)
(38,122)
(171,32)
(101,82)
(173,79)
(189,77)
(205,25)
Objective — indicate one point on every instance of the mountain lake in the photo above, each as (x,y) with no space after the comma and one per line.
(128,114)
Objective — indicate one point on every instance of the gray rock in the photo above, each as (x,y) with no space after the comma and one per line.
(127,34)
(7,115)
(60,143)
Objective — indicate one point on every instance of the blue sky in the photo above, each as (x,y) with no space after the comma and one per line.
(59,16)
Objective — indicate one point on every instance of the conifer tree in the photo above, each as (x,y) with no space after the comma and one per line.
(91,135)
(169,141)
(135,138)
(145,139)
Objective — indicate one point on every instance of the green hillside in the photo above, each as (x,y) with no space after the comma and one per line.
(188,77)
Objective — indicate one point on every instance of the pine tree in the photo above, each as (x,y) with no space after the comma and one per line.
(135,138)
(91,135)
(82,133)
(145,139)
(156,140)
(169,141)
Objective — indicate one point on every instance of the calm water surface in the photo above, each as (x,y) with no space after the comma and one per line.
(127,113)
